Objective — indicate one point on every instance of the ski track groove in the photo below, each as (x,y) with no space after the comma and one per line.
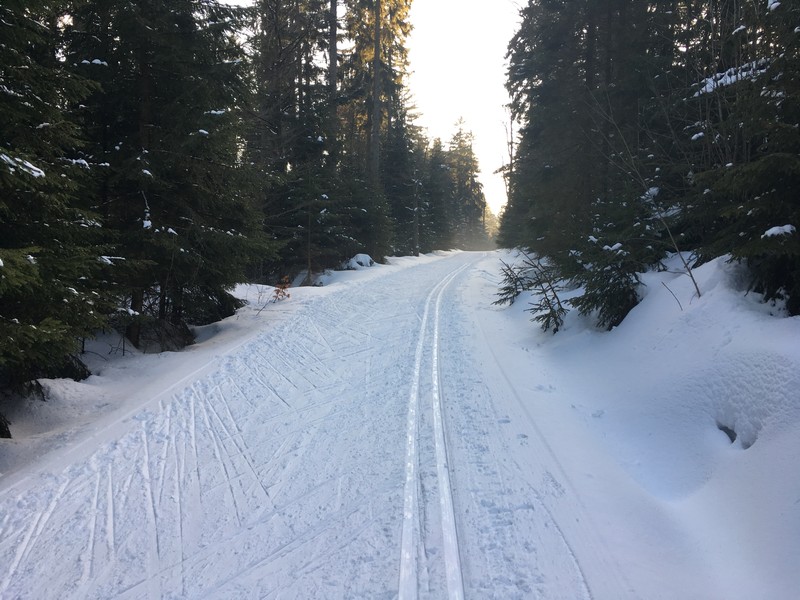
(110,511)
(408,550)
(30,538)
(154,589)
(180,469)
(162,462)
(455,583)
(408,584)
(88,557)
(244,450)
(228,480)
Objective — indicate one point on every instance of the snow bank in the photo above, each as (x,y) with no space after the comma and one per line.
(698,401)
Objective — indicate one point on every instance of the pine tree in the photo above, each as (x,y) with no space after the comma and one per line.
(655,127)
(374,70)
(469,204)
(745,159)
(399,183)
(50,252)
(165,132)
(438,187)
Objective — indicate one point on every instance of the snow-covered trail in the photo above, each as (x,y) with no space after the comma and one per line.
(394,435)
(350,452)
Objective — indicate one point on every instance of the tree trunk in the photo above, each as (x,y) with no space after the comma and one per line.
(333,50)
(333,77)
(375,125)
(134,330)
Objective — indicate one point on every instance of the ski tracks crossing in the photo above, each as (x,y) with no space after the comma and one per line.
(350,452)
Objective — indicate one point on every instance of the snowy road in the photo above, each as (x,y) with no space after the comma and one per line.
(354,451)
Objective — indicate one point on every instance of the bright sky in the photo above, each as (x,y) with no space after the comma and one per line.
(457,53)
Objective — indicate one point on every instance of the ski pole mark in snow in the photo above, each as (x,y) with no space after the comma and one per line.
(152,521)
(408,552)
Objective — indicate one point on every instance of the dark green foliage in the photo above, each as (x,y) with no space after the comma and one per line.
(533,274)
(609,288)
(515,280)
(468,208)
(655,127)
(166,130)
(50,296)
(5,432)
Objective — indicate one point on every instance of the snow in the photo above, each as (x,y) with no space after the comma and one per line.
(751,71)
(359,261)
(772,4)
(393,433)
(776,231)
(22,164)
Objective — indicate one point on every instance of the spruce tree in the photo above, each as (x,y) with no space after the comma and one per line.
(50,252)
(166,132)
(469,203)
(438,187)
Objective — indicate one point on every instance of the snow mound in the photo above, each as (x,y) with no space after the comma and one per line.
(359,261)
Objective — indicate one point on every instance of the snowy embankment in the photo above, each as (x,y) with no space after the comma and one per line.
(301,449)
(653,400)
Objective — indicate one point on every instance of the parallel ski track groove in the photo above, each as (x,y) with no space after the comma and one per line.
(455,583)
(408,581)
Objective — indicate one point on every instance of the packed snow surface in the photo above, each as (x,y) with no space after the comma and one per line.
(393,434)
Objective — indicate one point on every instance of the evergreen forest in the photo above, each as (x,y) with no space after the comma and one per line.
(153,153)
(647,129)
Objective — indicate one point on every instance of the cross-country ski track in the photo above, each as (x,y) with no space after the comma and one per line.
(363,440)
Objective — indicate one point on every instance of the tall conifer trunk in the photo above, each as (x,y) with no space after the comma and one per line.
(134,330)
(375,125)
(333,48)
(333,77)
